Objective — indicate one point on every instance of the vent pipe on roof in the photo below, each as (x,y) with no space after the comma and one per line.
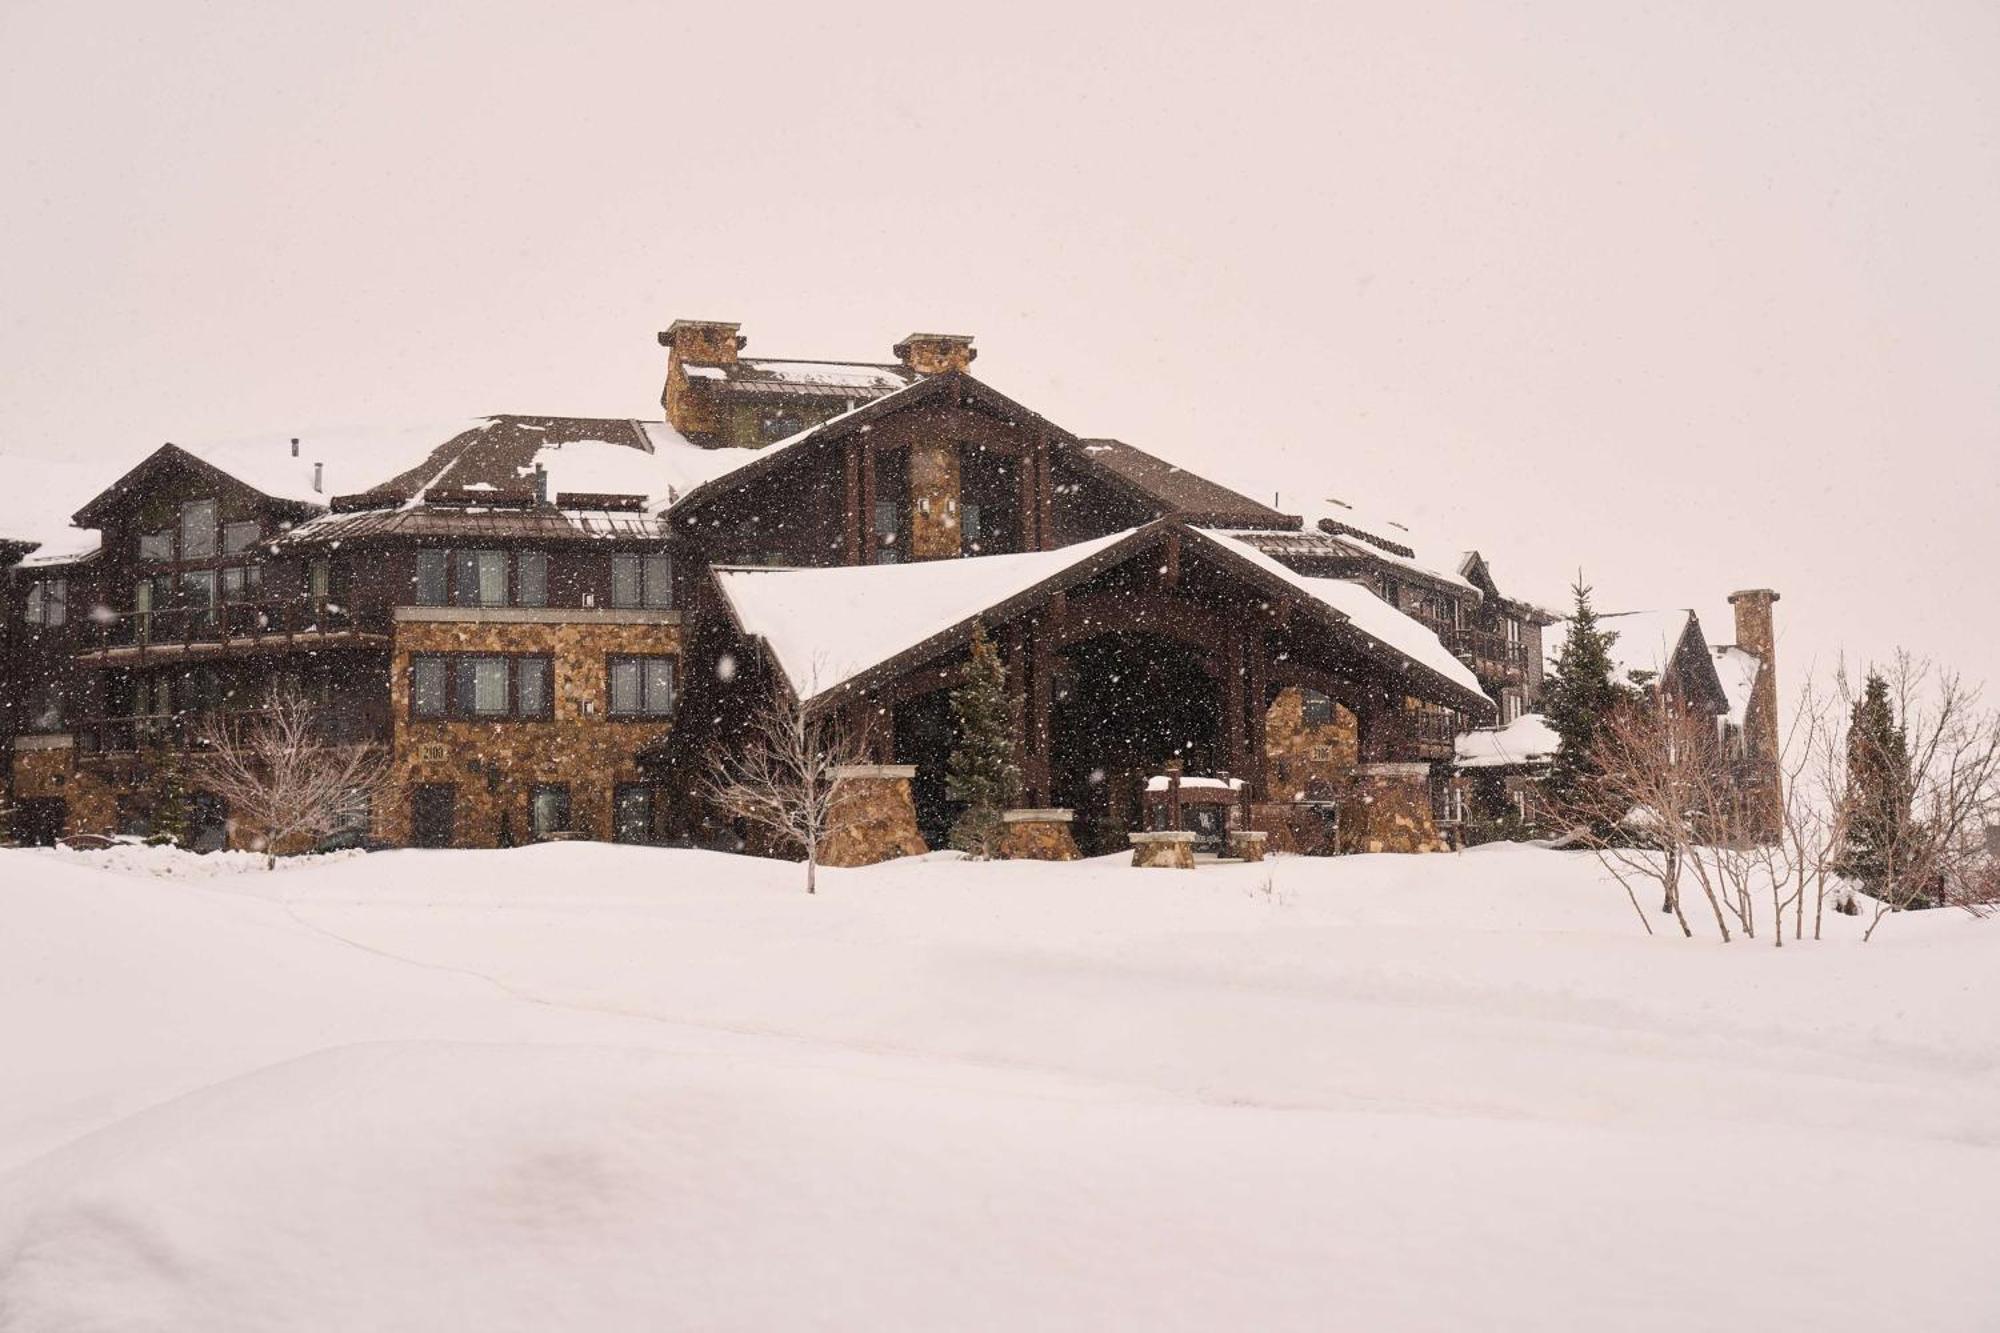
(295,446)
(319,477)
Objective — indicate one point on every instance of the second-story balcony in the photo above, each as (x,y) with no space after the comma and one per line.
(1490,653)
(185,631)
(179,731)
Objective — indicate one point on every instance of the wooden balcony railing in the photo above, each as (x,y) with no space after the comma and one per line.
(1486,646)
(230,625)
(184,730)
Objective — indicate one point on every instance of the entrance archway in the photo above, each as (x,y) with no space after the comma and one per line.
(1125,702)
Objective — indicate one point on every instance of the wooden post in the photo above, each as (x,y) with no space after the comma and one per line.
(1253,772)
(1031,531)
(1232,697)
(1044,495)
(869,540)
(851,469)
(1041,700)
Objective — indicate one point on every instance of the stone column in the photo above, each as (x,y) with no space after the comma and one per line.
(1038,835)
(874,814)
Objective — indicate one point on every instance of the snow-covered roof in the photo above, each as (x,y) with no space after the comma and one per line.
(1368,613)
(1528,739)
(826,626)
(37,496)
(830,377)
(1394,541)
(1737,669)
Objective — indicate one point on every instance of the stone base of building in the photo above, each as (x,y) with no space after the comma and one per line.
(1295,828)
(1038,835)
(874,816)
(1171,850)
(1248,845)
(1387,808)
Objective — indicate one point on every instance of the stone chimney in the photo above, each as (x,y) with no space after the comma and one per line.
(691,408)
(1755,634)
(935,353)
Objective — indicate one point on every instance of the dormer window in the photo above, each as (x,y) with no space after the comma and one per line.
(198,529)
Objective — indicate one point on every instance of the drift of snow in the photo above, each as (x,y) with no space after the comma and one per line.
(585,1086)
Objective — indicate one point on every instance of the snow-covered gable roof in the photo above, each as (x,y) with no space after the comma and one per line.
(815,379)
(1737,669)
(36,500)
(824,627)
(1527,740)
(1368,613)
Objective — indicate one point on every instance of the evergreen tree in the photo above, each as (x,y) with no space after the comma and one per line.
(1878,786)
(983,771)
(1575,699)
(167,802)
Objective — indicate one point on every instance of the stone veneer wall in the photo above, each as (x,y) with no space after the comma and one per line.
(874,816)
(1038,835)
(1299,757)
(45,770)
(1387,808)
(934,495)
(496,765)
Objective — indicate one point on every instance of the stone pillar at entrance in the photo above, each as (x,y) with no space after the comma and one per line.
(875,816)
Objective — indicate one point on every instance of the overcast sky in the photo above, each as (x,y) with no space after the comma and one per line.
(1690,297)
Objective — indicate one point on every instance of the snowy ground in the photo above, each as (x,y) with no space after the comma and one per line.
(588,1087)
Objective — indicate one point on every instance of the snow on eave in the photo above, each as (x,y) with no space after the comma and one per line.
(829,627)
(1395,634)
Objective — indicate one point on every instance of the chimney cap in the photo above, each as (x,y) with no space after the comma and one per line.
(952,339)
(1753,595)
(725,327)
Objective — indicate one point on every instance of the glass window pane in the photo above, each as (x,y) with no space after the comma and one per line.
(625,687)
(427,681)
(465,578)
(197,529)
(659,672)
(492,578)
(431,578)
(156,545)
(319,578)
(488,695)
(198,587)
(533,567)
(624,580)
(531,686)
(239,537)
(549,811)
(659,581)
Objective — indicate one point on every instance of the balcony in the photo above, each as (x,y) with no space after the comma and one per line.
(187,631)
(1490,653)
(108,736)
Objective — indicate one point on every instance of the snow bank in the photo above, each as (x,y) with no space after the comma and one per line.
(616,1088)
(1528,739)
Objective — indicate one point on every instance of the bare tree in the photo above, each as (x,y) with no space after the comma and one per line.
(1663,791)
(283,776)
(784,777)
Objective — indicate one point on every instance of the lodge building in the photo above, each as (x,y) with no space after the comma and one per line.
(555,622)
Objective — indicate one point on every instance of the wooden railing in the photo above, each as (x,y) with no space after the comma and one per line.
(230,624)
(1486,646)
(185,730)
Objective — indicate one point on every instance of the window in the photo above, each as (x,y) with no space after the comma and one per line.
(487,687)
(427,687)
(157,546)
(888,531)
(482,686)
(242,584)
(430,579)
(531,687)
(642,686)
(1317,709)
(642,580)
(779,425)
(319,580)
(47,602)
(548,809)
(1510,705)
(482,578)
(198,594)
(632,807)
(531,578)
(240,536)
(968,525)
(197,529)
